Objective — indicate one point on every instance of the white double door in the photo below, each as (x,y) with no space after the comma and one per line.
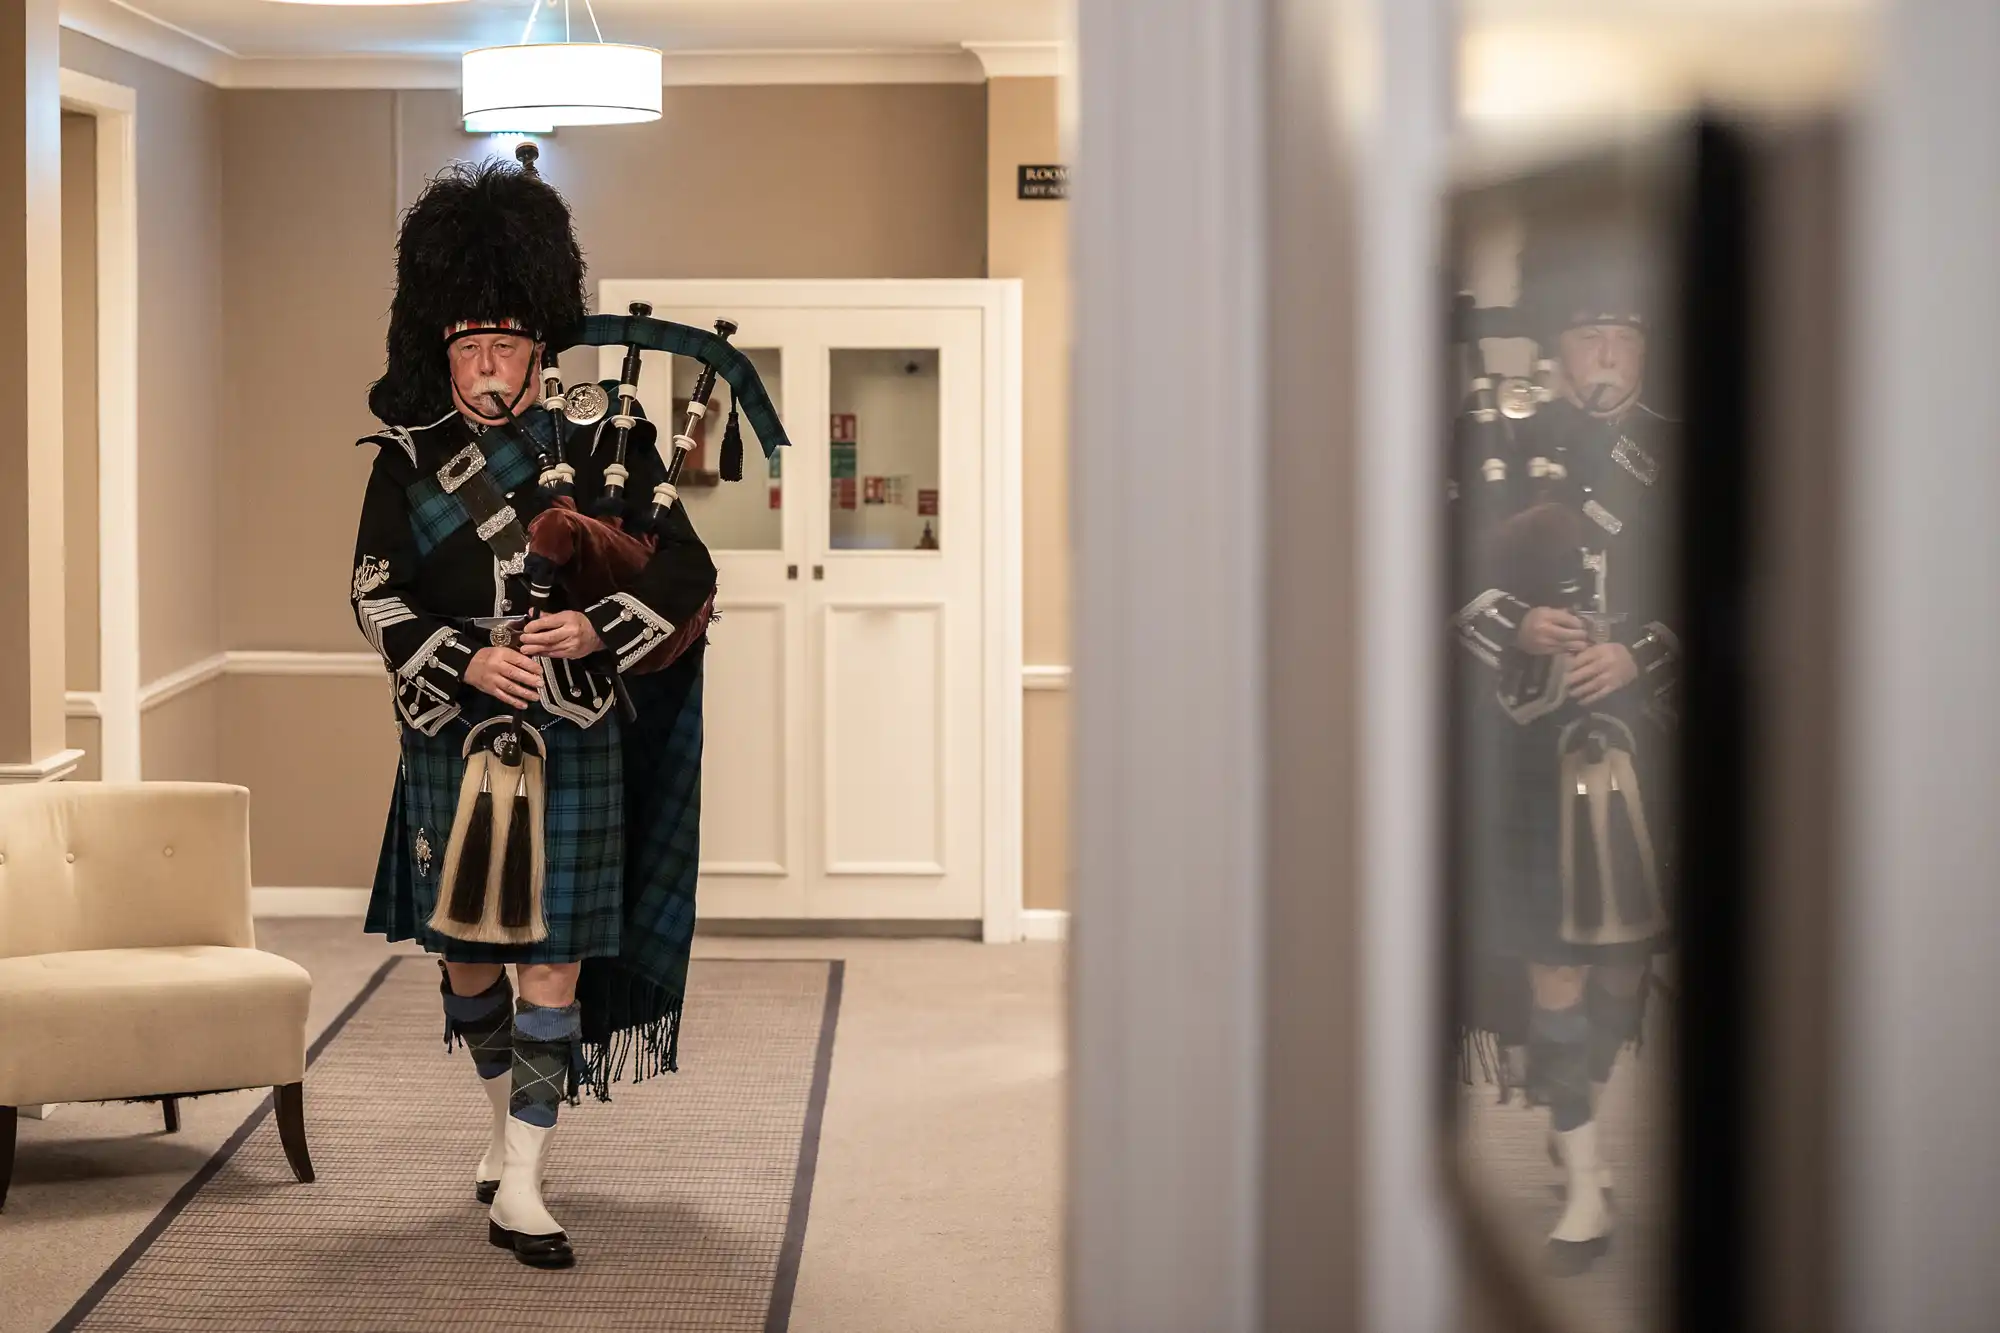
(843,767)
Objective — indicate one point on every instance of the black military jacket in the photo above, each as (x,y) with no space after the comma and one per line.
(422,570)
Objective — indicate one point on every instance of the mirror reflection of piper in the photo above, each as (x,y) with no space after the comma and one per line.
(536,720)
(1570,618)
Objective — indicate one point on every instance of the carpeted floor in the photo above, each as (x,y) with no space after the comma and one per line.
(936,1199)
(681,1194)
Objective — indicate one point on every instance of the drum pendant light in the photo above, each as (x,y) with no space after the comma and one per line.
(531,88)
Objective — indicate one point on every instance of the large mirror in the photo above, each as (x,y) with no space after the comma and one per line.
(1566,482)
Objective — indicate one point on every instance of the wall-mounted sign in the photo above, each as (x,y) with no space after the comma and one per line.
(927,502)
(842,460)
(872,491)
(777,497)
(1044,182)
(843,492)
(841,429)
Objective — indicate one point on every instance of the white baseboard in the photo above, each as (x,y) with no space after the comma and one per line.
(39,1112)
(1044,923)
(308,902)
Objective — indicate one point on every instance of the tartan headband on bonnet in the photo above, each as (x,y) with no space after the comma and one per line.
(488,247)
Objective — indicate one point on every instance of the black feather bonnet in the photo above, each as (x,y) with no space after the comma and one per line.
(487,245)
(1590,269)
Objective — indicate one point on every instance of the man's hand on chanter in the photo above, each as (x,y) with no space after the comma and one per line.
(567,634)
(510,677)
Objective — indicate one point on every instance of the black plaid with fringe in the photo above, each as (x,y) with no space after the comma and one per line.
(632,1003)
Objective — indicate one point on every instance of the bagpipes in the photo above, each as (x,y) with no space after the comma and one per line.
(1491,403)
(493,869)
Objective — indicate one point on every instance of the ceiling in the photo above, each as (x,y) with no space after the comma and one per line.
(263,29)
(1519,53)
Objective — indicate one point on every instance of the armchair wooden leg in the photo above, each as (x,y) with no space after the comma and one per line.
(291,1102)
(9,1118)
(171,1107)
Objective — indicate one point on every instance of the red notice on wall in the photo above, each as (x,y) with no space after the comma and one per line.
(777,497)
(840,430)
(844,492)
(926,502)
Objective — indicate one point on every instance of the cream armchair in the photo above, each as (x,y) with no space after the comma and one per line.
(127,964)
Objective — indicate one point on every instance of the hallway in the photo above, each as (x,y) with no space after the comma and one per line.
(934,1204)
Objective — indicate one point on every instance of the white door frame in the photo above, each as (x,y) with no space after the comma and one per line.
(116,701)
(1000,560)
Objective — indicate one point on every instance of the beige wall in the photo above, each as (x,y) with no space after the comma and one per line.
(86,734)
(854,181)
(1029,239)
(308,225)
(79,351)
(180,327)
(319,758)
(180,740)
(179,169)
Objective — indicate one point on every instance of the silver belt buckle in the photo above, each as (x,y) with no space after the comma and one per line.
(501,631)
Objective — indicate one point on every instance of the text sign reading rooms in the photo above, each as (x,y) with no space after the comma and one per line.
(1044,182)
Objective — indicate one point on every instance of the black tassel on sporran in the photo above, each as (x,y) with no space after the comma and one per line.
(468,888)
(517,871)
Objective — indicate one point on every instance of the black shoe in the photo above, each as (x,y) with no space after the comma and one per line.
(1572,1258)
(551,1251)
(486,1189)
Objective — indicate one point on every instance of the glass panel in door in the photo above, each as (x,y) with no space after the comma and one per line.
(883,450)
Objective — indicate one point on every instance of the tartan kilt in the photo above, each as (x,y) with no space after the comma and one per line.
(584,840)
(631,801)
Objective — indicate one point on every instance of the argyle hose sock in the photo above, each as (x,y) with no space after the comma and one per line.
(1614,1024)
(544,1042)
(1558,1050)
(485,1023)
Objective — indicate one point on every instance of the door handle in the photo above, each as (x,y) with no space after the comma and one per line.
(791,571)
(819,571)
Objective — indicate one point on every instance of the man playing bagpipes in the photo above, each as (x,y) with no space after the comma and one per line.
(1569,602)
(546,664)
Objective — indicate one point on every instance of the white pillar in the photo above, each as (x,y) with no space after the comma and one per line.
(1404,120)
(1168,209)
(1919,1202)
